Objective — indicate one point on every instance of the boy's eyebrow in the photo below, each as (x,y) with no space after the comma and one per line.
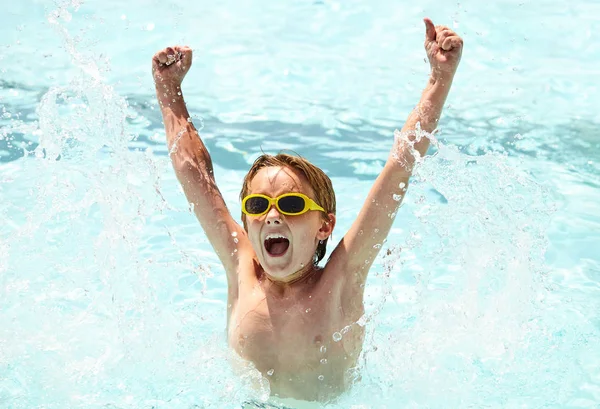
(279,192)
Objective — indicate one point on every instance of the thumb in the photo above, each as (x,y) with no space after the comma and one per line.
(429,30)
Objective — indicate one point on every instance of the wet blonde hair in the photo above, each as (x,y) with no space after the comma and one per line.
(317,179)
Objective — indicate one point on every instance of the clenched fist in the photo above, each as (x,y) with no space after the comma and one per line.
(444,49)
(170,65)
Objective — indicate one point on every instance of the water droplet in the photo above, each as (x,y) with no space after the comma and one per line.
(321,377)
(323,361)
(402,185)
(396,197)
(360,233)
(270,372)
(307,310)
(234,234)
(179,93)
(323,349)
(337,337)
(235,240)
(376,230)
(377,246)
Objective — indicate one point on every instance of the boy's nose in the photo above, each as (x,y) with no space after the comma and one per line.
(273,216)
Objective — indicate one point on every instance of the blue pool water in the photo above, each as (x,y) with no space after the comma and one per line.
(110,295)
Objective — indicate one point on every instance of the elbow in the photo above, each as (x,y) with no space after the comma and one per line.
(193,173)
(188,164)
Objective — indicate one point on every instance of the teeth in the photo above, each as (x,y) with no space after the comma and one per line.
(275,236)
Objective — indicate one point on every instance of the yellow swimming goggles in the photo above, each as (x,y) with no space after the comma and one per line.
(290,204)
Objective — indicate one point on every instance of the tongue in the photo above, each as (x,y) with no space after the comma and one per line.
(279,247)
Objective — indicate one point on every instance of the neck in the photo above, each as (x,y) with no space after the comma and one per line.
(304,275)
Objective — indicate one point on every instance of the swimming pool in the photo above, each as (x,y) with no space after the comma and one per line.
(110,295)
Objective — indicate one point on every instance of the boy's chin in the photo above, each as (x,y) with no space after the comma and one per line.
(278,267)
(278,270)
(283,267)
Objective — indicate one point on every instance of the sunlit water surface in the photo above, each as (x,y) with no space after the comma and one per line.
(111,296)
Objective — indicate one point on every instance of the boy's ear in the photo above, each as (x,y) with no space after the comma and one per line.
(326,227)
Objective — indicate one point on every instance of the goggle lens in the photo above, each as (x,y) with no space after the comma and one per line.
(256,205)
(291,204)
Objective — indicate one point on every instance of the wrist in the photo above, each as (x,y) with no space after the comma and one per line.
(432,101)
(165,90)
(169,96)
(437,86)
(441,78)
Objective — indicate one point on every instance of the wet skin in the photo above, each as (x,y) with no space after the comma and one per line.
(288,309)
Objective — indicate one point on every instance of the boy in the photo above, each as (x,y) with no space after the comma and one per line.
(294,320)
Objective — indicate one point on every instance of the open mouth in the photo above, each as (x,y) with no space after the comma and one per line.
(276,245)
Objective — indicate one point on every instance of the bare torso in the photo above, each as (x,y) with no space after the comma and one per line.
(288,333)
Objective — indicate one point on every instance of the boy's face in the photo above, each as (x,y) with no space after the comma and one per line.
(284,244)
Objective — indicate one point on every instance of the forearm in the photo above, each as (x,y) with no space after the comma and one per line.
(427,114)
(428,111)
(185,146)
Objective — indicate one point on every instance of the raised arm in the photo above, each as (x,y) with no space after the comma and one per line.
(192,162)
(359,247)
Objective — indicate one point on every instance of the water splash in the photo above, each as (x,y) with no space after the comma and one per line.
(469,321)
(81,256)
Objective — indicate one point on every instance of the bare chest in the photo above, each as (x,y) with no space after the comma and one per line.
(273,332)
(292,340)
